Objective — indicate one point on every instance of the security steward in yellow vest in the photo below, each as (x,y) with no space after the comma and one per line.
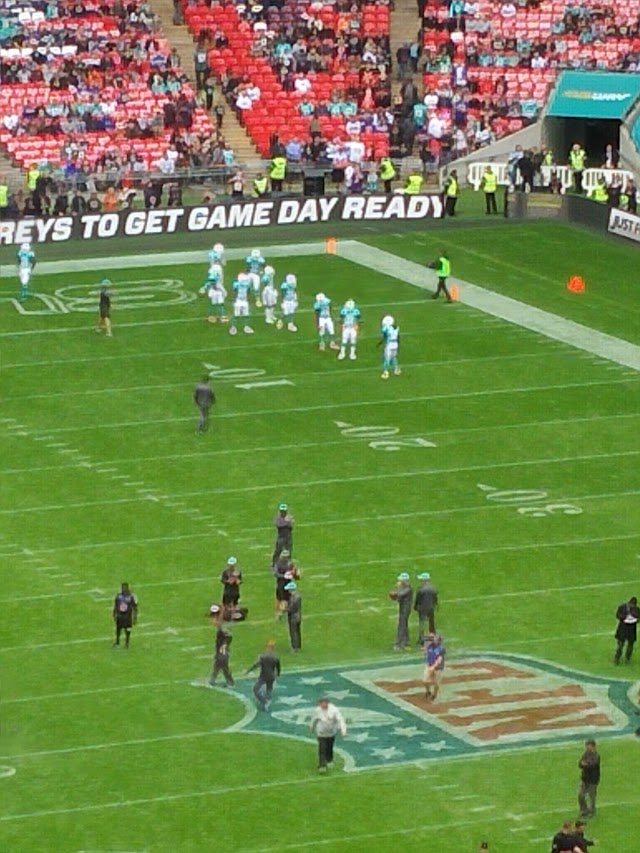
(260,186)
(577,162)
(599,192)
(4,197)
(387,173)
(277,171)
(489,184)
(33,173)
(414,184)
(443,270)
(450,193)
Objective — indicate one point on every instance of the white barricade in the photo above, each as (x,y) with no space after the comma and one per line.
(475,172)
(563,174)
(590,177)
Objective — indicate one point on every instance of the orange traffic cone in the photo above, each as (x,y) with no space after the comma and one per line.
(330,245)
(454,293)
(576,284)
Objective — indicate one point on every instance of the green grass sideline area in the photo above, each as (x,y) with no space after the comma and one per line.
(502,461)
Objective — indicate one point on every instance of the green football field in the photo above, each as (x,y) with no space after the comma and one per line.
(503,461)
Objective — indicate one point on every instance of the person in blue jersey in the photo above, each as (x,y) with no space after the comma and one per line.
(241,290)
(350,319)
(255,265)
(216,294)
(289,305)
(434,655)
(390,343)
(216,260)
(26,262)
(324,322)
(269,294)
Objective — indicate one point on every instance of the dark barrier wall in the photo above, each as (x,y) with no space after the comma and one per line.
(584,211)
(221,217)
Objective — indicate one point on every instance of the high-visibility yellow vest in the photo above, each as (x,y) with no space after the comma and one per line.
(278,168)
(577,159)
(414,184)
(4,195)
(259,186)
(32,177)
(547,160)
(599,193)
(387,170)
(452,187)
(489,182)
(444,268)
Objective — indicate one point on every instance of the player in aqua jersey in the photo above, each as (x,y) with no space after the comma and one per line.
(324,321)
(390,341)
(26,261)
(350,319)
(216,260)
(289,291)
(255,265)
(269,295)
(216,294)
(241,289)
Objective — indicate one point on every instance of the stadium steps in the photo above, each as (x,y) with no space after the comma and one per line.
(404,25)
(14,176)
(180,38)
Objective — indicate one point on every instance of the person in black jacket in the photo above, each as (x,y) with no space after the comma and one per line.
(589,765)
(627,615)
(565,841)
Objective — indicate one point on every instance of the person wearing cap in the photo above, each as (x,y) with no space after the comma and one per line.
(326,722)
(425,605)
(231,578)
(294,615)
(221,651)
(284,532)
(104,309)
(284,571)
(269,666)
(403,595)
(434,654)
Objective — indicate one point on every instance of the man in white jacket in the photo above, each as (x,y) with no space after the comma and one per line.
(326,722)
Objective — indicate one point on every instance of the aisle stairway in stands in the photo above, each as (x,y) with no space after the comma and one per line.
(403,30)
(14,176)
(180,38)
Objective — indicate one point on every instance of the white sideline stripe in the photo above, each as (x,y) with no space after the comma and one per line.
(223,380)
(511,310)
(166,259)
(468,552)
(354,404)
(305,445)
(365,478)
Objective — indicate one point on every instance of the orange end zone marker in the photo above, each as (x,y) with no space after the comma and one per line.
(455,293)
(330,245)
(576,284)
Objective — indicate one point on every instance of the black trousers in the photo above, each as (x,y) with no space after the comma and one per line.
(450,205)
(490,203)
(620,647)
(442,288)
(325,750)
(263,690)
(295,634)
(221,665)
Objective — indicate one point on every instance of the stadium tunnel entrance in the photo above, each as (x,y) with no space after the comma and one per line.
(594,134)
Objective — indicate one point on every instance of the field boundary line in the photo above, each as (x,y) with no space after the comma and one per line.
(504,307)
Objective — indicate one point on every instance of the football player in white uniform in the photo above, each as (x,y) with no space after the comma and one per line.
(26,262)
(255,265)
(241,289)
(350,319)
(269,295)
(390,341)
(289,291)
(324,321)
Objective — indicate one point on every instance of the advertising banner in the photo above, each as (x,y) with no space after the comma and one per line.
(220,217)
(594,94)
(624,224)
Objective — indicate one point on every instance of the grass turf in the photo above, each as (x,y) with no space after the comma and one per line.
(104,480)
